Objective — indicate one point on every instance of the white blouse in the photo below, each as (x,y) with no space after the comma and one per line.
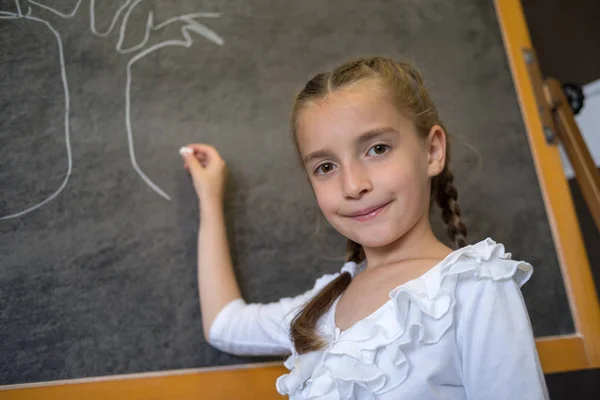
(459,331)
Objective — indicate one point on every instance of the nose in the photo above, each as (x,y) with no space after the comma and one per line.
(355,181)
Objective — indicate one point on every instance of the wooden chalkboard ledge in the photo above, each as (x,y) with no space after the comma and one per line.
(250,381)
(254,381)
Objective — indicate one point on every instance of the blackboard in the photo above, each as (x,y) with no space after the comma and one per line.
(95,100)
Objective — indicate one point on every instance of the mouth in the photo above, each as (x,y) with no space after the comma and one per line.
(368,213)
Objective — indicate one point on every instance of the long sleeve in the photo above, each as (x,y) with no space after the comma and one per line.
(496,343)
(259,329)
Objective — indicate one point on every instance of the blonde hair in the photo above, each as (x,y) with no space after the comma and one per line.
(405,85)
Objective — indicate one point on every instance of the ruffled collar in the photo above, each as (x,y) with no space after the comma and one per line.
(418,311)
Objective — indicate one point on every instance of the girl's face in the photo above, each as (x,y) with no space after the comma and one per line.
(369,168)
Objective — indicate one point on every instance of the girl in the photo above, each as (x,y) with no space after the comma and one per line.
(406,317)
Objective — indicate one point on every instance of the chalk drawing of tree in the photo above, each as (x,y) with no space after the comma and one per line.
(188,25)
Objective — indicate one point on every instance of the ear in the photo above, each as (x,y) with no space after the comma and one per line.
(436,150)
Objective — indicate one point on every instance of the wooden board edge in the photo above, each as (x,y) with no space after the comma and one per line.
(568,240)
(562,354)
(557,354)
(235,383)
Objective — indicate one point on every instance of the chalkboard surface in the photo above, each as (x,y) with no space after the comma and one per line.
(97,267)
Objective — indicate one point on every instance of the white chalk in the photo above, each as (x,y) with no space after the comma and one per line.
(186,150)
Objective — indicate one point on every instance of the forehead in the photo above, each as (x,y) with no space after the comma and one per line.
(344,114)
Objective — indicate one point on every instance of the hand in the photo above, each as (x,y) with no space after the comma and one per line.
(208,171)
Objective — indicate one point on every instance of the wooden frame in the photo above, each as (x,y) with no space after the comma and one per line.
(582,349)
(560,353)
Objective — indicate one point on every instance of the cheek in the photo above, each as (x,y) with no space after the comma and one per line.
(404,176)
(325,199)
(408,180)
(328,198)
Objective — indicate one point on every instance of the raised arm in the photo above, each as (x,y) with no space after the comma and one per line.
(229,323)
(216,280)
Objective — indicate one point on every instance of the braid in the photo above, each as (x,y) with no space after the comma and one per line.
(446,197)
(305,322)
(354,252)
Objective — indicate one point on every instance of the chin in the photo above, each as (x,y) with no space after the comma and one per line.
(373,236)
(375,242)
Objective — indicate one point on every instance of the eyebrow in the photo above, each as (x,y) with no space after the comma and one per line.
(362,139)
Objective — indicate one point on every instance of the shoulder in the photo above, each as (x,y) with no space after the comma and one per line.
(472,275)
(482,264)
(488,282)
(488,265)
(487,262)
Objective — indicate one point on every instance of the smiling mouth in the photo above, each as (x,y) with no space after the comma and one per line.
(368,213)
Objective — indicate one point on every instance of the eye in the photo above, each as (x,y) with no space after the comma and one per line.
(378,150)
(324,168)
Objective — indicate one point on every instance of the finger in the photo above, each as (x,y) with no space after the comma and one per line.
(200,151)
(187,168)
(205,150)
(200,158)
(192,163)
(200,147)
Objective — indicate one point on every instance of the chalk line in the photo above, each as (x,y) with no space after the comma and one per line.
(191,25)
(62,15)
(91,14)
(27,16)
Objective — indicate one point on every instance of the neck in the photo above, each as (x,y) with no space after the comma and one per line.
(418,243)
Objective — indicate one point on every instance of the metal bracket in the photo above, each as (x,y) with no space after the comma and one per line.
(538,90)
